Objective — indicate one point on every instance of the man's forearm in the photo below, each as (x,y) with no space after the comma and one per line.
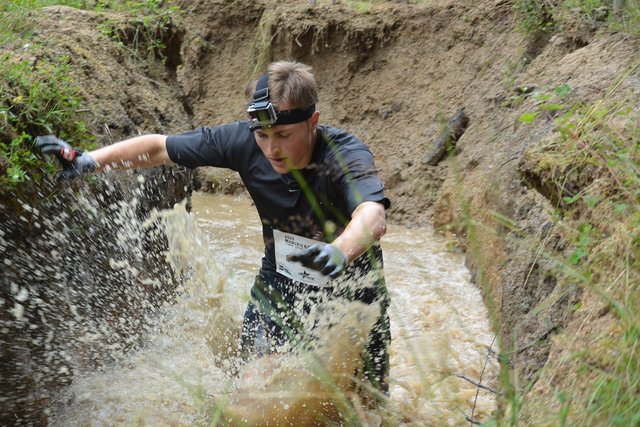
(367,225)
(139,152)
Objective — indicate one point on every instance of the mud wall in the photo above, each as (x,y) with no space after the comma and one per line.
(81,275)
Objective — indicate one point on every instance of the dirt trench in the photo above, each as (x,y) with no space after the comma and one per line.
(393,76)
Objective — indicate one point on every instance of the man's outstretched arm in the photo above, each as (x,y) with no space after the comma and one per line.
(138,152)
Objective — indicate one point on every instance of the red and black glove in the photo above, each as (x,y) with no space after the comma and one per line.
(74,162)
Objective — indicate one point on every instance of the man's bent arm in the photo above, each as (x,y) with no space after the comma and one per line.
(138,152)
(367,225)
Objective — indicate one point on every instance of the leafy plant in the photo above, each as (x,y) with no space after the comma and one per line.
(14,20)
(145,34)
(543,16)
(546,104)
(36,98)
(40,96)
(596,149)
(536,16)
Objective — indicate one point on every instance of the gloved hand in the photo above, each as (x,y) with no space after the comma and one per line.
(74,162)
(327,259)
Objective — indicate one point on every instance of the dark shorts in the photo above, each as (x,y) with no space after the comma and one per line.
(278,306)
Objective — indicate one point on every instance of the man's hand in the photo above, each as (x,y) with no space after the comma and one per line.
(74,162)
(327,259)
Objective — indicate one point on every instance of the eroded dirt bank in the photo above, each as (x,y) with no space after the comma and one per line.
(394,76)
(66,297)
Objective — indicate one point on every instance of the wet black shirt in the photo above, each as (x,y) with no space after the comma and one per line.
(315,202)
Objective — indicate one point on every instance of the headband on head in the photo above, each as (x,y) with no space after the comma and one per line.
(264,115)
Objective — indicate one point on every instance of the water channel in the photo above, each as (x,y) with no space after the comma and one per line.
(440,331)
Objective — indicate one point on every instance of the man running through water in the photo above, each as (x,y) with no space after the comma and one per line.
(318,194)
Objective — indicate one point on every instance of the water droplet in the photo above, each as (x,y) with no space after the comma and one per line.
(18,311)
(22,295)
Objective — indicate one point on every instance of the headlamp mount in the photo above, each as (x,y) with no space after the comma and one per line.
(263,114)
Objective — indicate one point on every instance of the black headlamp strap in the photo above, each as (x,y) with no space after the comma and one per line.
(262,89)
(296,115)
(264,115)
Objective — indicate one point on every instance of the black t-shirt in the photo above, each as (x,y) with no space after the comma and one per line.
(310,202)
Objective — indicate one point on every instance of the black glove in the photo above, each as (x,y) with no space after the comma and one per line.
(327,259)
(74,162)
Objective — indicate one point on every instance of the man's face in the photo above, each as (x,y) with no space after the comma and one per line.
(288,147)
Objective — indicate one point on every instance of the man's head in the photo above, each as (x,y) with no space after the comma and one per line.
(283,115)
(292,83)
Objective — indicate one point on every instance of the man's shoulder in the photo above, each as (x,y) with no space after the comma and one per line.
(235,131)
(341,138)
(227,131)
(227,145)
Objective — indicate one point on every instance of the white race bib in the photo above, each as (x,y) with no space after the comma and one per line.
(288,244)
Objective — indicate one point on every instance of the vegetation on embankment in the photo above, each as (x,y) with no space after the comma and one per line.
(590,170)
(64,298)
(587,167)
(38,96)
(39,91)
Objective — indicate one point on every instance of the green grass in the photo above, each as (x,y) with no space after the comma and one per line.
(36,98)
(540,16)
(40,96)
(591,170)
(143,34)
(14,17)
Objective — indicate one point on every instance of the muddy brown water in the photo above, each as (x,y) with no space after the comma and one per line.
(186,375)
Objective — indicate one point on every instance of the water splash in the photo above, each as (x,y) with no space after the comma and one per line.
(187,371)
(192,361)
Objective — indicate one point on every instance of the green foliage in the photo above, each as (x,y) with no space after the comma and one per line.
(614,399)
(14,16)
(17,157)
(627,19)
(547,104)
(595,153)
(143,35)
(36,98)
(535,16)
(39,96)
(543,16)
(582,243)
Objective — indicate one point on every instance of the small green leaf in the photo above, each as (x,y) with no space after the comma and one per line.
(551,107)
(577,255)
(562,90)
(527,117)
(601,113)
(540,96)
(571,200)
(591,201)
(620,207)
